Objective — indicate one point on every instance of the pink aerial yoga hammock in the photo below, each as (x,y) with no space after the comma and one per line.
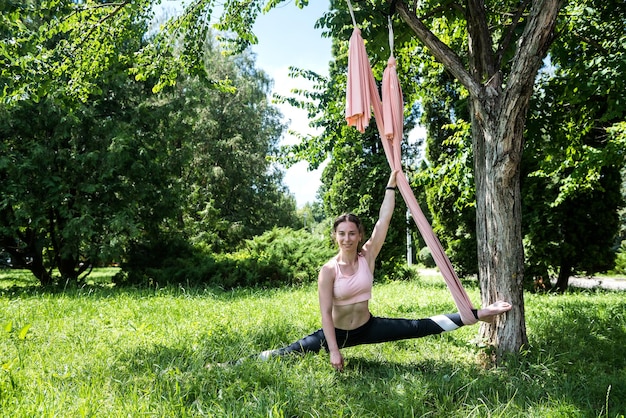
(361,96)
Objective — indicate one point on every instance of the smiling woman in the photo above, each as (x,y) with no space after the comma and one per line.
(345,288)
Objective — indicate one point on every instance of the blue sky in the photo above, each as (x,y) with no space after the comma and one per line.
(287,37)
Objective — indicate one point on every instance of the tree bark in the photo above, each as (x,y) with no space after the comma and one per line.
(562,281)
(499,104)
(498,120)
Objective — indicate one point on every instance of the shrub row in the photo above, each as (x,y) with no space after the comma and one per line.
(279,257)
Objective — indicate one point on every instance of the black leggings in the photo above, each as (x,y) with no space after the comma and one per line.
(375,330)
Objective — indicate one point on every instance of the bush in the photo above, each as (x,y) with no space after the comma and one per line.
(295,256)
(395,270)
(161,260)
(620,260)
(279,257)
(426,258)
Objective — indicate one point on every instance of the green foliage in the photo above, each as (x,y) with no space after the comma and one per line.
(94,165)
(311,215)
(449,188)
(570,181)
(74,171)
(65,45)
(574,151)
(232,190)
(72,42)
(446,176)
(425,258)
(620,260)
(279,257)
(396,270)
(298,254)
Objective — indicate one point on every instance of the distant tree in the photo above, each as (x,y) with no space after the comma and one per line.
(91,172)
(446,173)
(311,214)
(234,191)
(572,161)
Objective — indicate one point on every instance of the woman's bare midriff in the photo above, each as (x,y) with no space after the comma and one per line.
(349,317)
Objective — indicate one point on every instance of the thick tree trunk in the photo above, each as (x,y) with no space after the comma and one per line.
(499,103)
(28,256)
(498,120)
(39,270)
(498,227)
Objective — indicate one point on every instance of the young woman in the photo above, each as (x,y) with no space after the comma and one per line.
(345,287)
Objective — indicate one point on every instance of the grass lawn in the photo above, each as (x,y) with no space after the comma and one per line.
(101,351)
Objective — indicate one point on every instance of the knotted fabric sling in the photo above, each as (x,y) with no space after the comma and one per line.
(361,98)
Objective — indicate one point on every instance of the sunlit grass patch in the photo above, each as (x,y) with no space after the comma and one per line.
(107,351)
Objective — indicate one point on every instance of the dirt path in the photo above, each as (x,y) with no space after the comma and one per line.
(598,282)
(608,283)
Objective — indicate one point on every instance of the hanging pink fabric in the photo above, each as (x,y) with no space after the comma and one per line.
(361,96)
(358,103)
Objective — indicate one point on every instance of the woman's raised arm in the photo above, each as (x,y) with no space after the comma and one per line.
(373,245)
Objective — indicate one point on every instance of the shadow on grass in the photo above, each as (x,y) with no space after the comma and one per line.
(107,290)
(575,367)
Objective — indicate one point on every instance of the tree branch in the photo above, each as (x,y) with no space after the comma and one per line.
(442,52)
(119,7)
(480,43)
(81,9)
(532,47)
(442,8)
(506,40)
(533,44)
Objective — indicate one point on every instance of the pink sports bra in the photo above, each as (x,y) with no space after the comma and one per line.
(355,288)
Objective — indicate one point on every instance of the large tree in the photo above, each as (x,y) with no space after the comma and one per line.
(75,164)
(93,162)
(506,43)
(506,46)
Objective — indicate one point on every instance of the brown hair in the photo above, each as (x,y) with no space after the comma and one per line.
(349,217)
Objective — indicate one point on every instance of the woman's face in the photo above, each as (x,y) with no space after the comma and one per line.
(347,235)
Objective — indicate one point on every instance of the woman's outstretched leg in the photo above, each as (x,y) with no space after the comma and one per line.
(312,343)
(379,330)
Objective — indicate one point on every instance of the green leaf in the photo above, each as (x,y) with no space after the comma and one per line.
(24,331)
